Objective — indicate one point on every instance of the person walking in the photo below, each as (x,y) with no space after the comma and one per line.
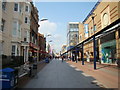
(62,58)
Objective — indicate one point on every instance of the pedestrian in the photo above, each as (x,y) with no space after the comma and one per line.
(62,58)
(35,59)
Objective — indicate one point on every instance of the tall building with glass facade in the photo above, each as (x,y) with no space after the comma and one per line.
(72,34)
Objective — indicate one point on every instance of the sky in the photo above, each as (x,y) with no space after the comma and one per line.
(58,15)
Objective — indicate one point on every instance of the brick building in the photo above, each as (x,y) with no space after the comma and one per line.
(106,14)
(42,46)
(34,49)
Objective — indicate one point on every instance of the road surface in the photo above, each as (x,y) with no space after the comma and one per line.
(58,74)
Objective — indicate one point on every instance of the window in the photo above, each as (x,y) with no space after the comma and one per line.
(25,36)
(28,36)
(13,50)
(14,32)
(3,5)
(20,8)
(105,19)
(2,25)
(26,20)
(26,8)
(19,31)
(16,7)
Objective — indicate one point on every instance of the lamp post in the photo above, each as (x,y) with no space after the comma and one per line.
(94,44)
(43,19)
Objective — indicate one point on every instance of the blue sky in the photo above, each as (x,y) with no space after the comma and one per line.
(58,15)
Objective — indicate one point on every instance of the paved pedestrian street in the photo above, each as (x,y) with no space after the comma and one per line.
(58,74)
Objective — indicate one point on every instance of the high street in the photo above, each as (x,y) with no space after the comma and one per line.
(58,74)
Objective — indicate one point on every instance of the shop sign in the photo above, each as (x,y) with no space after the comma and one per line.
(86,30)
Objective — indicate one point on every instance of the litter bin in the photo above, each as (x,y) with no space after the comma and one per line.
(35,66)
(47,60)
(7,78)
(34,69)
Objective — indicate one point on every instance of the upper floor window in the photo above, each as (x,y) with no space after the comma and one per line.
(16,7)
(26,8)
(2,24)
(19,30)
(26,20)
(105,19)
(14,32)
(3,5)
(25,36)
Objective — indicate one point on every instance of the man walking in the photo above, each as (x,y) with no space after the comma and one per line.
(62,58)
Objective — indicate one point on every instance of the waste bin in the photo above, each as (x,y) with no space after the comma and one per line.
(35,66)
(34,72)
(7,78)
(47,60)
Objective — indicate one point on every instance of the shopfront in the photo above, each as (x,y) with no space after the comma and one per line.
(108,49)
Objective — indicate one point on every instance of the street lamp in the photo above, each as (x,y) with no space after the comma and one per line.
(94,44)
(50,41)
(48,35)
(43,19)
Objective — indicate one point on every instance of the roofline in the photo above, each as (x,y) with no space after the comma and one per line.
(93,9)
(73,22)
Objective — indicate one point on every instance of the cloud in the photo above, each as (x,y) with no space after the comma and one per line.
(47,27)
(58,36)
(59,40)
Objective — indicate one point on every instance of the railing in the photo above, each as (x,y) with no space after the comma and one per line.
(12,61)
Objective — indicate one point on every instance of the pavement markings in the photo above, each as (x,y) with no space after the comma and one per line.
(98,83)
(94,82)
(72,66)
(85,74)
(77,69)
